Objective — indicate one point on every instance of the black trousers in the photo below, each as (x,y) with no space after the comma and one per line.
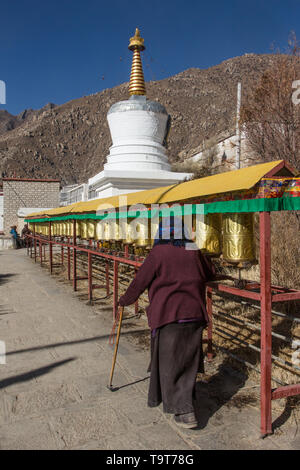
(176,358)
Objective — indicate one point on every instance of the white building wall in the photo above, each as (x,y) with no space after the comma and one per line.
(225,153)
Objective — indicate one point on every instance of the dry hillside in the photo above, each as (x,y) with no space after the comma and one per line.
(71,141)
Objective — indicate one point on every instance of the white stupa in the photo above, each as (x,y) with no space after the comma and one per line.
(139,129)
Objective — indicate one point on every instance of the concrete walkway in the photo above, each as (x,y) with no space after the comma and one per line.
(53,392)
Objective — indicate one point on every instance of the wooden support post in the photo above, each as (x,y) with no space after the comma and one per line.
(34,245)
(41,251)
(90,277)
(69,262)
(74,257)
(107,276)
(116,289)
(50,248)
(136,304)
(210,325)
(266,323)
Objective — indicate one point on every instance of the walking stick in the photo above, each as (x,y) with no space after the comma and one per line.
(111,388)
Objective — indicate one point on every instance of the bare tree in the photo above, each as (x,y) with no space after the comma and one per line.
(269,115)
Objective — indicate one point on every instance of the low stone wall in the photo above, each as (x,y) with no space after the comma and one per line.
(6,243)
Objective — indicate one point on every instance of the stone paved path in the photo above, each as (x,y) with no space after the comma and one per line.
(53,392)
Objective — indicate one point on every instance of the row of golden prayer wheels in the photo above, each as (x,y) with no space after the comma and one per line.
(230,235)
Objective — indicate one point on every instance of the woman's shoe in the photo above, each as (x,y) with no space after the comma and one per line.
(186,420)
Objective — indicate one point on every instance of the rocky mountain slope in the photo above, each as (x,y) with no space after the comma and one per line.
(71,141)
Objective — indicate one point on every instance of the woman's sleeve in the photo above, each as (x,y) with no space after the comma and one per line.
(208,269)
(142,280)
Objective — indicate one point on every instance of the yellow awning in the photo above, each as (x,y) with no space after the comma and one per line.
(237,180)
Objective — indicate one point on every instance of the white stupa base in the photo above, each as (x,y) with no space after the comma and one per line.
(112,183)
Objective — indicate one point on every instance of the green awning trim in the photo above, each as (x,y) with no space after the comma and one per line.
(241,205)
(254,205)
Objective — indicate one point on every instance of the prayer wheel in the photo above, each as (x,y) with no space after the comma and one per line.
(91,229)
(99,230)
(208,228)
(107,231)
(153,229)
(83,229)
(64,229)
(143,229)
(238,237)
(79,228)
(129,236)
(117,235)
(69,228)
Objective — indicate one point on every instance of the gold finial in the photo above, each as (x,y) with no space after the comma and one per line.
(137,82)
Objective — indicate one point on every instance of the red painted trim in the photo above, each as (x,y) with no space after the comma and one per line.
(210,324)
(279,167)
(236,291)
(90,277)
(74,257)
(286,391)
(116,289)
(107,276)
(266,323)
(286,296)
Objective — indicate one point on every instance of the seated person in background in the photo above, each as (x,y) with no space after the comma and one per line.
(15,237)
(24,235)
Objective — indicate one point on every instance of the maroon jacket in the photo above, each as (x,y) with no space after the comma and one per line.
(175,278)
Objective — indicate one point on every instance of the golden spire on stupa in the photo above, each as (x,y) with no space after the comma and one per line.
(137,82)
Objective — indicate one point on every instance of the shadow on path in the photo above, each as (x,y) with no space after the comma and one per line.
(219,391)
(6,309)
(5,278)
(114,389)
(69,343)
(33,373)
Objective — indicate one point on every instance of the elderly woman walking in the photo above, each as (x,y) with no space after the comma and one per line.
(175,276)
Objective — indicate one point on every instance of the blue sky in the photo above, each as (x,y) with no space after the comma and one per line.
(55,51)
